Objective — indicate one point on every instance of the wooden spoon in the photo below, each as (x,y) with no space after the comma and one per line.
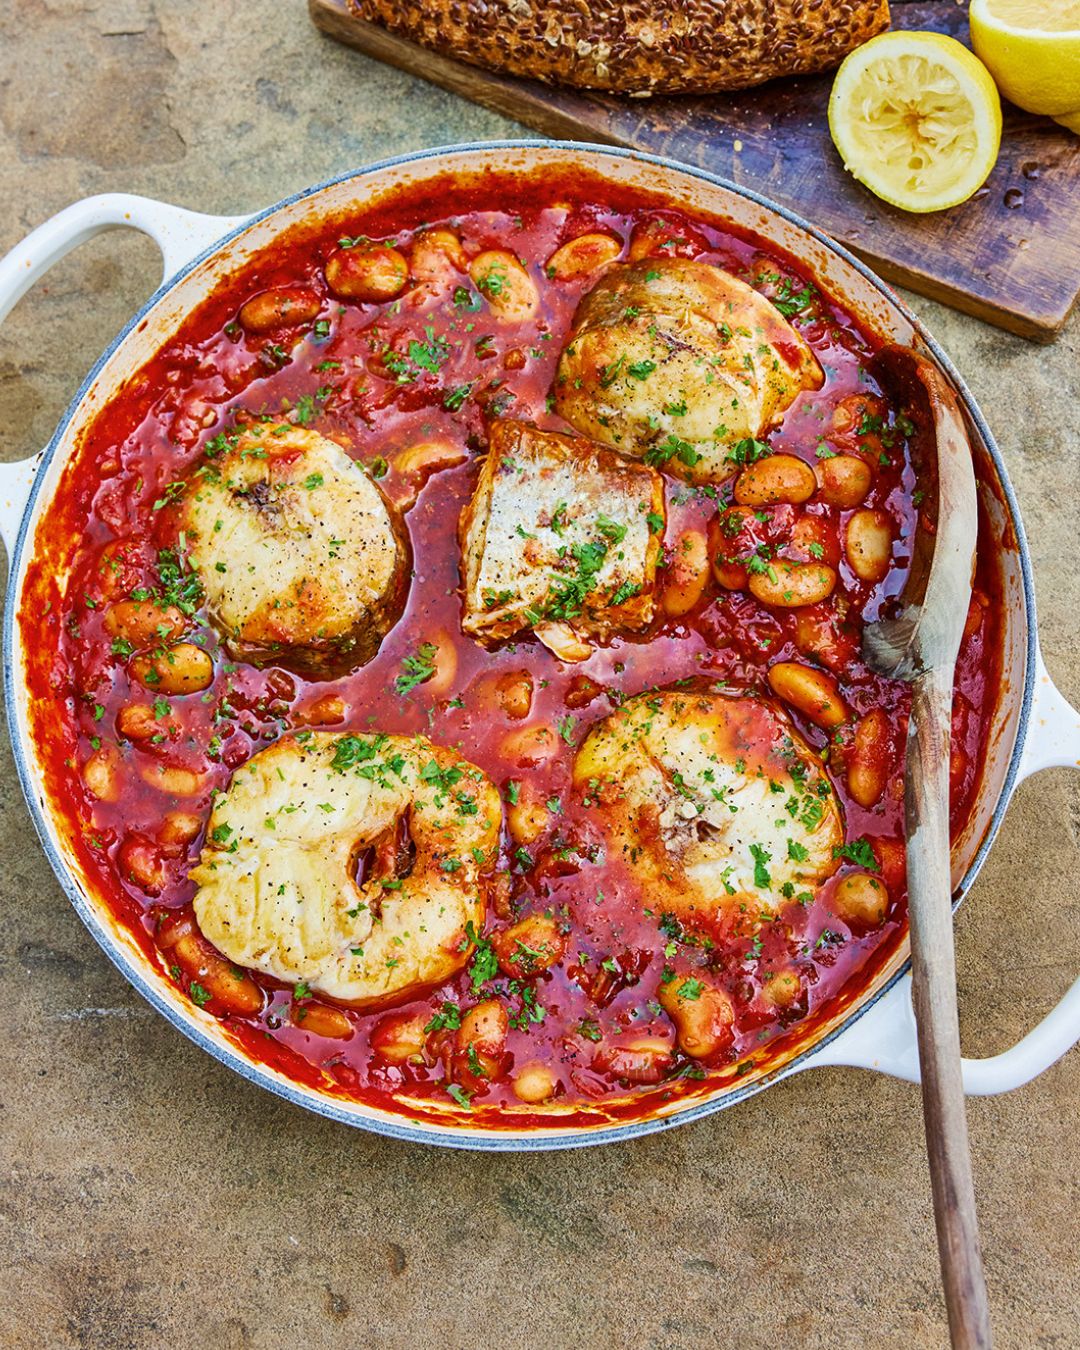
(920,645)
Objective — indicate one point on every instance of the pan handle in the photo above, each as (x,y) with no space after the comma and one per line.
(883,1038)
(180,234)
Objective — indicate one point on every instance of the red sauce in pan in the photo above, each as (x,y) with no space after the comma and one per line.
(114,519)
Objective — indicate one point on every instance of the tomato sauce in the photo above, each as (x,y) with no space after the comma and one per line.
(114,522)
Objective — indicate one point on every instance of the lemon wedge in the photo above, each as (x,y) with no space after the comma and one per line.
(917,119)
(1032,49)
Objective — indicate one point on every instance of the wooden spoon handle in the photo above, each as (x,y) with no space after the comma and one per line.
(934,996)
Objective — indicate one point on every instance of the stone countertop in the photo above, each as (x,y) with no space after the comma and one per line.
(151,1198)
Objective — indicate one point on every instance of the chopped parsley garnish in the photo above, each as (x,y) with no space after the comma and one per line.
(466,299)
(493,281)
(610,529)
(531,1012)
(179,588)
(448,1018)
(172,493)
(418,668)
(361,755)
(431,354)
(485,964)
(567,594)
(748,451)
(788,303)
(761,857)
(443,781)
(859,852)
(610,373)
(672,448)
(641,370)
(625,592)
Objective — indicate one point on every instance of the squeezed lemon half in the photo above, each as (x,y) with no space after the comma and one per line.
(917,119)
(1032,49)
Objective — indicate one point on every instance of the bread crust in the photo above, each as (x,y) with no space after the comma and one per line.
(639,48)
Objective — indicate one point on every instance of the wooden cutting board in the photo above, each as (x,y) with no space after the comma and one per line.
(1010,255)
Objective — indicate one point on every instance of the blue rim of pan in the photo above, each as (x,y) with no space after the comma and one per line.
(355,1113)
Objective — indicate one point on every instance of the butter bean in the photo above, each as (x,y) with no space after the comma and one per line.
(444,661)
(534,1083)
(480,1045)
(788,585)
(399,1037)
(509,290)
(179,828)
(435,256)
(686,575)
(137,722)
(813,693)
(861,900)
(279,308)
(183,669)
(371,274)
(514,693)
(231,989)
(702,1014)
(869,759)
(581,256)
(142,863)
(776,478)
(781,988)
(141,621)
(428,457)
(319,1019)
(530,746)
(637,1059)
(173,779)
(101,773)
(528,817)
(533,944)
(328,711)
(868,544)
(844,480)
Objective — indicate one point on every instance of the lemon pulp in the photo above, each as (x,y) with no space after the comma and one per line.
(1044,16)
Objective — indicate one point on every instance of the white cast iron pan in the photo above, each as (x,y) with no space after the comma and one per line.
(1033,727)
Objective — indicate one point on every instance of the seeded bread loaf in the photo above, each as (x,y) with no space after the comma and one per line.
(642,47)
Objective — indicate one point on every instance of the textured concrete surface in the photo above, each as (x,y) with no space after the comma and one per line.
(148,1197)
